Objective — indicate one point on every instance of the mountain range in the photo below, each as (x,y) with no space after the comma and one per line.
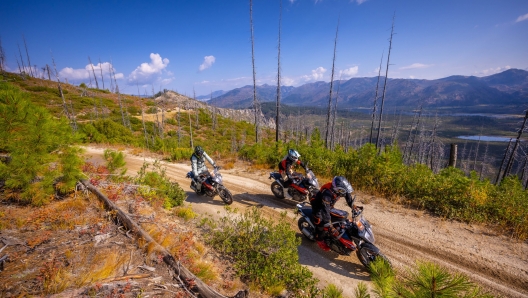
(508,88)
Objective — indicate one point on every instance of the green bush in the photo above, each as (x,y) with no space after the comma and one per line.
(264,251)
(159,186)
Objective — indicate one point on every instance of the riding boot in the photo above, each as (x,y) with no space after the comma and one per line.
(320,241)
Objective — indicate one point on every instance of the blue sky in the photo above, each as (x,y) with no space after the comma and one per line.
(206,45)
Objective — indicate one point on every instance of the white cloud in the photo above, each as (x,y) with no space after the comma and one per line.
(74,74)
(166,81)
(522,18)
(416,65)
(348,73)
(316,75)
(148,73)
(84,74)
(285,81)
(411,77)
(359,2)
(490,71)
(208,62)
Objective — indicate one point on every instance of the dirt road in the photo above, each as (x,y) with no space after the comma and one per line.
(496,262)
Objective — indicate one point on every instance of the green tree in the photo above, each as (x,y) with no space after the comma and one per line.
(42,160)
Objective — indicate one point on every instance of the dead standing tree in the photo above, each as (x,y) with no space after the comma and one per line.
(27,55)
(101,70)
(255,101)
(71,117)
(93,71)
(2,57)
(378,145)
(375,101)
(517,141)
(327,134)
(277,117)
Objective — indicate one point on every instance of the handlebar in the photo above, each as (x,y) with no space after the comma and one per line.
(357,210)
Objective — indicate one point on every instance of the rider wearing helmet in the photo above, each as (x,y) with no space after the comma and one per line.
(285,167)
(323,202)
(198,167)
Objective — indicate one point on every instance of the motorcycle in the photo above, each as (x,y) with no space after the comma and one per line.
(212,185)
(357,230)
(306,187)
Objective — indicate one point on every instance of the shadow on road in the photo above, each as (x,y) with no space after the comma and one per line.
(330,260)
(192,197)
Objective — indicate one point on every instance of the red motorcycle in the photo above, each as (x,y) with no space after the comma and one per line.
(301,189)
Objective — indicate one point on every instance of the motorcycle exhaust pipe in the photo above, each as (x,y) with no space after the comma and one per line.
(307,233)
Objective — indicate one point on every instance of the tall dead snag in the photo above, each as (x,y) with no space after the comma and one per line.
(334,117)
(498,179)
(71,117)
(413,138)
(277,117)
(190,129)
(517,141)
(93,71)
(101,70)
(121,103)
(255,101)
(27,55)
(327,134)
(375,101)
(179,127)
(48,71)
(2,57)
(385,85)
(21,60)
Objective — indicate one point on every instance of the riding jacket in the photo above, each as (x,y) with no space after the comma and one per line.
(323,202)
(285,167)
(198,163)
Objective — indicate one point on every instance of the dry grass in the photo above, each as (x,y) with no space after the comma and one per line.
(184,212)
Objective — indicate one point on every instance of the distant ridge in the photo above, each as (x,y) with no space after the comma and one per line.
(509,87)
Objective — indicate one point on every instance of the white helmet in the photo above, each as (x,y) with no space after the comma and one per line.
(293,155)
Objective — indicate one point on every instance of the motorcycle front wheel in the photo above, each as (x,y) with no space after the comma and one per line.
(225,195)
(277,190)
(368,253)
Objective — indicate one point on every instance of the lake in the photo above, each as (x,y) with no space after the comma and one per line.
(488,138)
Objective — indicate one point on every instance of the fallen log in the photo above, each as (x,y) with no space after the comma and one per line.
(186,276)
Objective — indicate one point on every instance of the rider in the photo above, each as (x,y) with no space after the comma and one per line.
(323,202)
(198,167)
(286,170)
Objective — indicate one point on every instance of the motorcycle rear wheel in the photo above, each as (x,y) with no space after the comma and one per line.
(225,195)
(277,190)
(368,253)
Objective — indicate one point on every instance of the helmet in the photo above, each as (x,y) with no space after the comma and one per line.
(198,150)
(293,155)
(341,186)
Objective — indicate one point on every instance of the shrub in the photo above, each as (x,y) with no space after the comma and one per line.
(264,251)
(169,192)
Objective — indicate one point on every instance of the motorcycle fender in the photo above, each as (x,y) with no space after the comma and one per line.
(307,219)
(279,182)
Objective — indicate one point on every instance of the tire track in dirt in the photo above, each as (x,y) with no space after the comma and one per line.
(508,284)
